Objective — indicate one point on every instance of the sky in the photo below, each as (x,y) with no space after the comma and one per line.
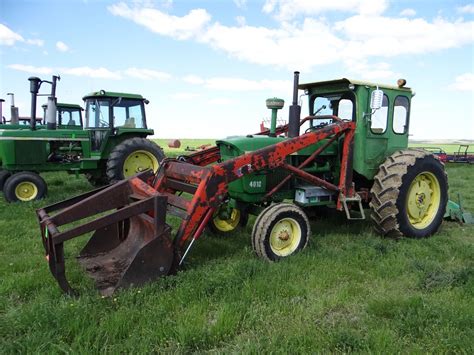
(207,67)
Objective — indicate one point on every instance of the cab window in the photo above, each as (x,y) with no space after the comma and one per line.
(378,121)
(400,115)
(129,114)
(97,114)
(69,117)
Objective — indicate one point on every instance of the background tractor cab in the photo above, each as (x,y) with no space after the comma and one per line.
(68,116)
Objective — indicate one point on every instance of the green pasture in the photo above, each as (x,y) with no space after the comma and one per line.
(349,291)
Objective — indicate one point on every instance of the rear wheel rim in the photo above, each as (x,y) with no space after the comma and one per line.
(229,224)
(424,199)
(285,237)
(138,161)
(26,191)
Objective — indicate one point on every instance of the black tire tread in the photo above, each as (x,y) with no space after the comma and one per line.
(115,161)
(263,222)
(386,188)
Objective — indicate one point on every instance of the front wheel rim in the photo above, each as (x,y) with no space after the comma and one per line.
(285,237)
(424,199)
(229,224)
(26,191)
(139,161)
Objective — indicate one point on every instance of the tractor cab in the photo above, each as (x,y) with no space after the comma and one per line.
(381,128)
(68,116)
(112,114)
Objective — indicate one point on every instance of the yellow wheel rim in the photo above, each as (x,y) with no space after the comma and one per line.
(139,161)
(229,224)
(26,191)
(285,237)
(424,198)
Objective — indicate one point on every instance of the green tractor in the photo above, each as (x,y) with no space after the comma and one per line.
(69,116)
(406,189)
(112,146)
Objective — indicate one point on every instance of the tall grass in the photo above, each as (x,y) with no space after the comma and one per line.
(350,290)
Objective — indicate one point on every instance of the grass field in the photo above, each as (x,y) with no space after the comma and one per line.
(350,290)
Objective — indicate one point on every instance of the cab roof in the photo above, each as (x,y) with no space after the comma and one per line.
(111,94)
(346,81)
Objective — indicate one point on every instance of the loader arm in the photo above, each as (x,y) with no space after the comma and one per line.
(133,244)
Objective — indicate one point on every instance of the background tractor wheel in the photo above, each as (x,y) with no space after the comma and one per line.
(409,195)
(97,180)
(224,221)
(280,230)
(24,186)
(133,156)
(4,175)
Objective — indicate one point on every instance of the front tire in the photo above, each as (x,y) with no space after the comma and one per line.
(4,175)
(280,230)
(24,186)
(409,195)
(132,157)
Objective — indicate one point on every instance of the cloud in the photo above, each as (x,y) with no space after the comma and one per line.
(31,69)
(288,9)
(35,42)
(184,95)
(193,79)
(463,82)
(61,46)
(280,47)
(102,73)
(311,41)
(374,71)
(468,9)
(147,74)
(221,101)
(408,13)
(157,21)
(241,4)
(239,84)
(8,37)
(85,71)
(98,73)
(387,37)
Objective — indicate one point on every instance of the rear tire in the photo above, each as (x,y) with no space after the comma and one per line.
(409,195)
(4,175)
(132,157)
(280,230)
(25,186)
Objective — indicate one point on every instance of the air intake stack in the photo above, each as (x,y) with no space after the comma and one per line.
(274,104)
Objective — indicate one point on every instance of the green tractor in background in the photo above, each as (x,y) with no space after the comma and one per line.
(69,116)
(112,146)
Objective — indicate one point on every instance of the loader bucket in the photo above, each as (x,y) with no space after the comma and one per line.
(142,256)
(131,243)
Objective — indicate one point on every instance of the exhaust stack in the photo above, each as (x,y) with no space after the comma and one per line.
(295,110)
(35,84)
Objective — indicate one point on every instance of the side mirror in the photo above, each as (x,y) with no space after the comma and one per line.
(376,99)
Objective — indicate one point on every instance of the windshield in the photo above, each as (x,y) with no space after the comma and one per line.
(340,105)
(69,116)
